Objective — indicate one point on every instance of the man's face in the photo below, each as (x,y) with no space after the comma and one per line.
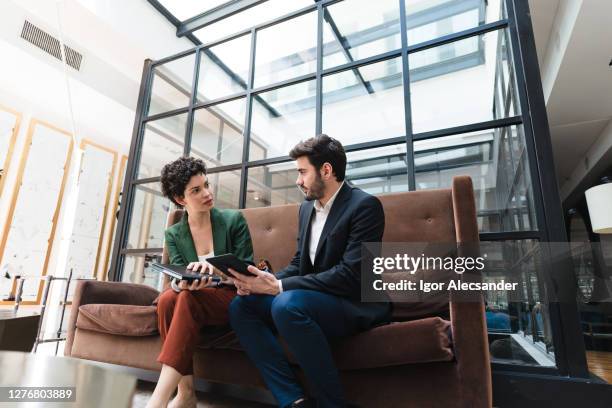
(309,179)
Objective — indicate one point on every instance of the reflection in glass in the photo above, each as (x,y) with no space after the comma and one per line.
(427,20)
(379,171)
(505,89)
(519,331)
(217,136)
(454,84)
(226,189)
(365,104)
(163,142)
(281,118)
(582,257)
(276,58)
(149,216)
(357,29)
(224,69)
(137,269)
(504,198)
(273,185)
(171,85)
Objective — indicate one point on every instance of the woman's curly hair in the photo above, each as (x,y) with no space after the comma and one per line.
(176,175)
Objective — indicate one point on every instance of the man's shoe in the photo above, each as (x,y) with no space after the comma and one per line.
(304,403)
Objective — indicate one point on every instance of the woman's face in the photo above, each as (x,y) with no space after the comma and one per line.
(198,194)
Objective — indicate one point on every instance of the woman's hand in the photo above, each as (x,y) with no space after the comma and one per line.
(207,272)
(203,267)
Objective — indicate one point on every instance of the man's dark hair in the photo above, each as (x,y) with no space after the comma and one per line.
(322,149)
(176,175)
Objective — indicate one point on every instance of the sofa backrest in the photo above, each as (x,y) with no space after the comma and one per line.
(437,215)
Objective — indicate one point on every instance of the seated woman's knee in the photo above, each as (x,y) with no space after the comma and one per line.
(167,300)
(185,296)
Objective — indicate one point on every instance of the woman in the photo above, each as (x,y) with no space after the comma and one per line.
(183,309)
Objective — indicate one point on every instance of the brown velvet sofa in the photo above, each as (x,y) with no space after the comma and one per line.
(419,360)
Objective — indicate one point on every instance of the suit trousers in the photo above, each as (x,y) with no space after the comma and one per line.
(180,317)
(306,320)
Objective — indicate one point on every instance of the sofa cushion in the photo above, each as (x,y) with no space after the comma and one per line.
(398,343)
(417,341)
(126,320)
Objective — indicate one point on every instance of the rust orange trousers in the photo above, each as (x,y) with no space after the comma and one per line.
(180,316)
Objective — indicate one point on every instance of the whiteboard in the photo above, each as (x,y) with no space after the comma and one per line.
(28,235)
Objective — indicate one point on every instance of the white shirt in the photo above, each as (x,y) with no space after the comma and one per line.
(203,258)
(318,222)
(316,226)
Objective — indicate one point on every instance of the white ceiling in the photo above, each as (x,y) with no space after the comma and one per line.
(114,37)
(573,40)
(543,14)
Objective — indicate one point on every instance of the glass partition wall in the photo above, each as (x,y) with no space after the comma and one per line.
(418,91)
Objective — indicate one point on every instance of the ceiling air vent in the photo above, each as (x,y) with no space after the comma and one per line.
(50,44)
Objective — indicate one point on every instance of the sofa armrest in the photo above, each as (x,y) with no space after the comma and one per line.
(471,348)
(467,312)
(91,291)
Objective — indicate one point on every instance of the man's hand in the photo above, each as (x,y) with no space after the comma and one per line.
(263,283)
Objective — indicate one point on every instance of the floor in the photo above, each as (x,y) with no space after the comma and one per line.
(600,364)
(205,400)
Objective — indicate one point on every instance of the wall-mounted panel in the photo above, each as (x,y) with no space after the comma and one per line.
(27,239)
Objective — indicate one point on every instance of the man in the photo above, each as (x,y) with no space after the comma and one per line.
(317,296)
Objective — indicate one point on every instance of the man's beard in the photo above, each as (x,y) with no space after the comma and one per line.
(316,191)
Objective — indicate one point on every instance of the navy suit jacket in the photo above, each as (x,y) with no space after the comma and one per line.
(355,217)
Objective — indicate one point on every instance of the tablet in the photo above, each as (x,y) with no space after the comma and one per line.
(181,273)
(224,262)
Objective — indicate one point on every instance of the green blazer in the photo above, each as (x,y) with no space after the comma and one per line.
(230,234)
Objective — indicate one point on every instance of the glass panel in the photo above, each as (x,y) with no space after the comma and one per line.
(286,50)
(281,118)
(171,85)
(137,269)
(226,189)
(507,75)
(149,216)
(163,142)
(185,9)
(519,331)
(217,136)
(273,185)
(248,18)
(365,104)
(357,29)
(453,84)
(430,19)
(378,171)
(224,69)
(502,187)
